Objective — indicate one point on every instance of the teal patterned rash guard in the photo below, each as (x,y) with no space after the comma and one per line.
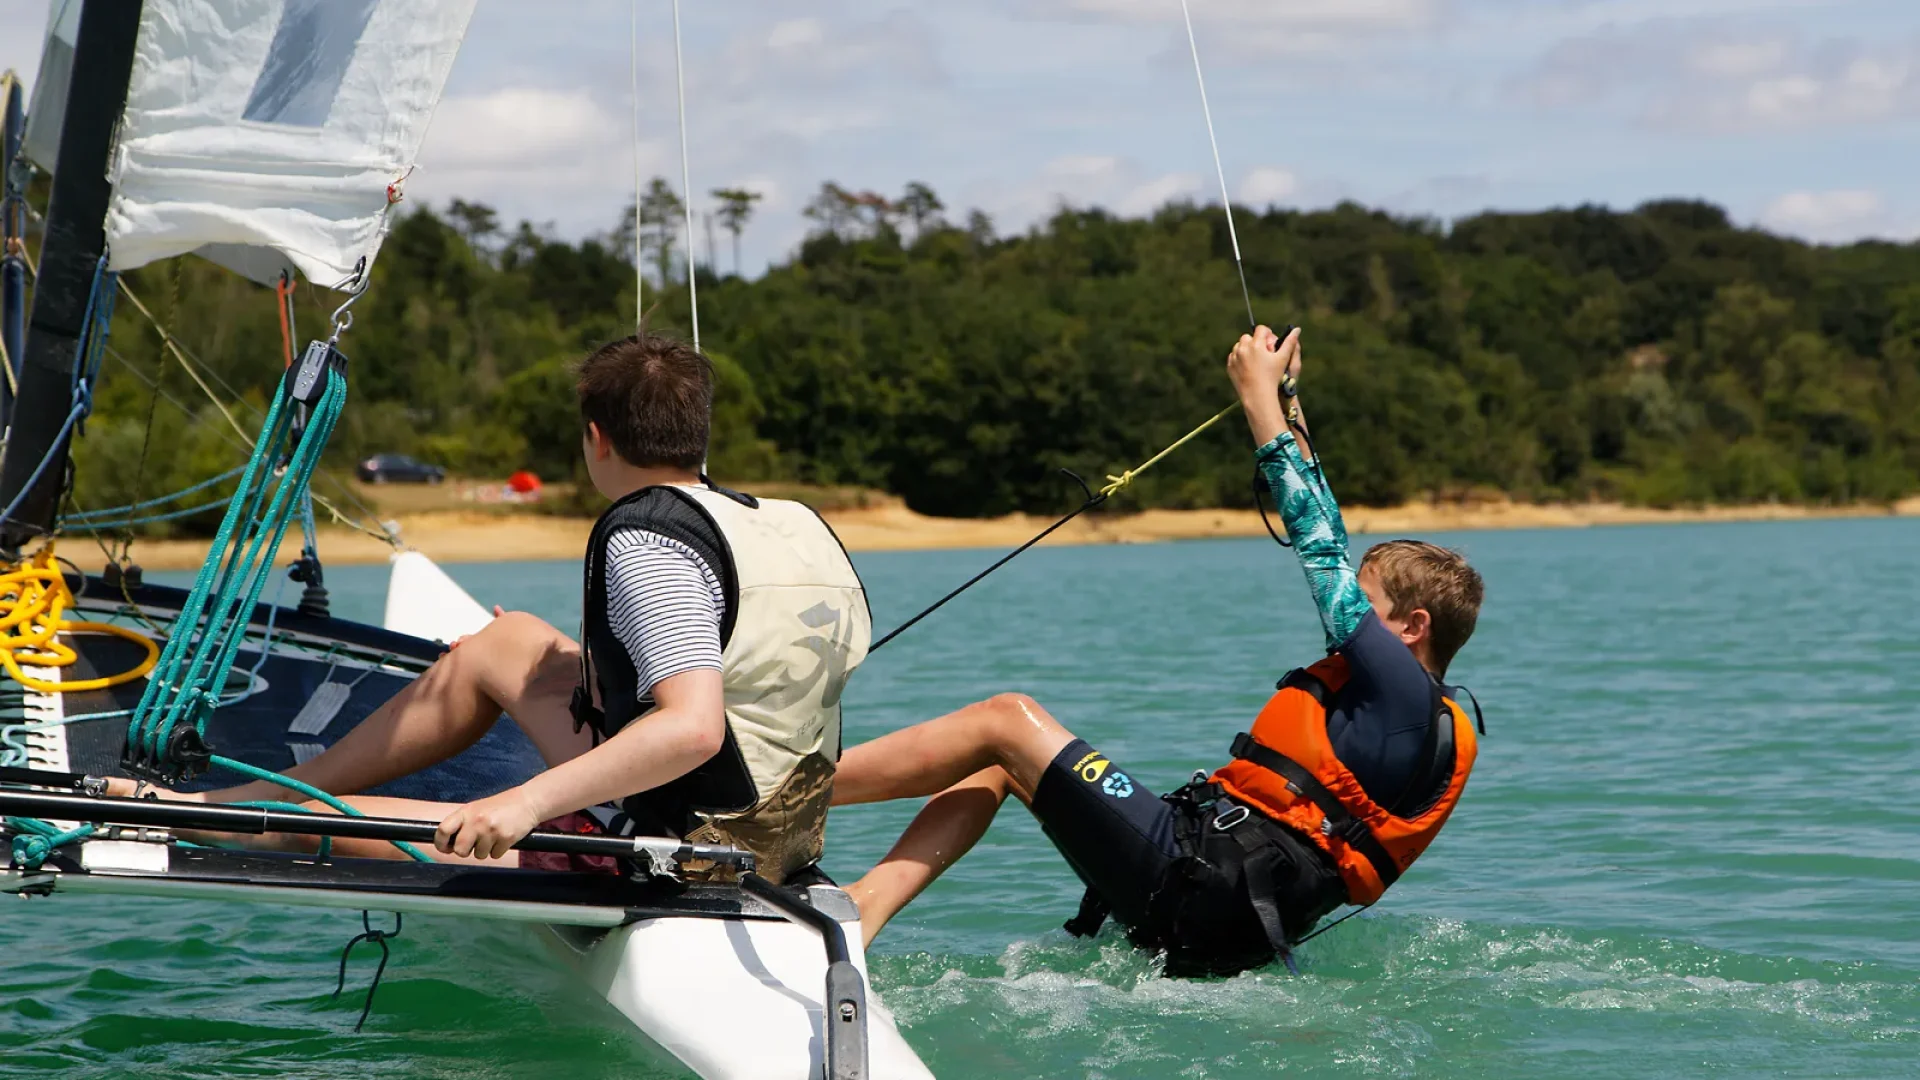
(1319,536)
(1379,720)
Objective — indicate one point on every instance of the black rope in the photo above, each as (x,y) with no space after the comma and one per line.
(1093,500)
(1326,928)
(378,937)
(1260,489)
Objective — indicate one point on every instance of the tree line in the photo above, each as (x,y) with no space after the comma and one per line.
(1660,355)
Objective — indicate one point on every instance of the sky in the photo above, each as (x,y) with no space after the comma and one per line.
(1802,116)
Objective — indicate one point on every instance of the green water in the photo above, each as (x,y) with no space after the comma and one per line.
(1688,850)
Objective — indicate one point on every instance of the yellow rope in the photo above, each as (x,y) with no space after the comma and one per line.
(167,340)
(1116,483)
(32,598)
(6,361)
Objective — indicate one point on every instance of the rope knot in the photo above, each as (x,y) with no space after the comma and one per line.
(30,851)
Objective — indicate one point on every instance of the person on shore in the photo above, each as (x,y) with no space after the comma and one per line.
(1346,777)
(731,623)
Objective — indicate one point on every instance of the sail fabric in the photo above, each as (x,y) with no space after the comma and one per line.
(49,103)
(265,134)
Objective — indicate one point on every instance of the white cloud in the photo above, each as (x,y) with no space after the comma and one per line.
(1830,216)
(1729,76)
(1738,59)
(536,153)
(1086,181)
(1267,185)
(803,53)
(1083,168)
(1253,30)
(1150,196)
(516,127)
(1256,15)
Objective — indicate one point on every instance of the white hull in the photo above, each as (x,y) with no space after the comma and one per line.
(733,999)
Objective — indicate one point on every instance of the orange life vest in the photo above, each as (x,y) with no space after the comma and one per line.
(1286,769)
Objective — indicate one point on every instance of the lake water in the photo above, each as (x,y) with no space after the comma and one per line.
(1689,848)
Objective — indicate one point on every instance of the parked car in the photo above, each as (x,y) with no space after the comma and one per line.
(398,469)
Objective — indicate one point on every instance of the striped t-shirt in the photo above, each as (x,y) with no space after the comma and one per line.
(665,604)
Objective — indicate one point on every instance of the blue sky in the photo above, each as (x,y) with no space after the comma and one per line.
(1800,116)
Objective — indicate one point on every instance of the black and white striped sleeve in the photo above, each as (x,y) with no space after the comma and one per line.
(665,604)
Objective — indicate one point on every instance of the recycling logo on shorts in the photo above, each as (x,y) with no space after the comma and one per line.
(1119,785)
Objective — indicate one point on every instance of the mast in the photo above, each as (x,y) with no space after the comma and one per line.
(13,221)
(74,240)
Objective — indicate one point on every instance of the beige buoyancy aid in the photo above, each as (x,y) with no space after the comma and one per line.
(795,627)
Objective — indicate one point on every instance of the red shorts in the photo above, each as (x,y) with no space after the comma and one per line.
(581,824)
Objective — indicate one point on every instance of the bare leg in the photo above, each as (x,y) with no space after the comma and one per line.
(354,847)
(971,758)
(944,830)
(517,664)
(1008,730)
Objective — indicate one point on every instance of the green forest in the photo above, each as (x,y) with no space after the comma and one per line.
(1657,356)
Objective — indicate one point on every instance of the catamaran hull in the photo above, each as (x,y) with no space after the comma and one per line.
(716,980)
(731,999)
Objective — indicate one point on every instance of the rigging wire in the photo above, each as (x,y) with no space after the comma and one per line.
(182,353)
(1226,203)
(633,92)
(686,178)
(1118,483)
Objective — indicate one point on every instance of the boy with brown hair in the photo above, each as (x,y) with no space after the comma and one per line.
(1346,776)
(703,700)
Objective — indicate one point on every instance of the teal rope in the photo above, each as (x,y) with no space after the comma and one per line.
(166,692)
(231,579)
(94,525)
(34,840)
(254,772)
(326,842)
(112,511)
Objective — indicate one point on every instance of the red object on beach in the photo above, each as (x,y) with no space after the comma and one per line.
(524,482)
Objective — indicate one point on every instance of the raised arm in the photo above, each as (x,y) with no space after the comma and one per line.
(1259,366)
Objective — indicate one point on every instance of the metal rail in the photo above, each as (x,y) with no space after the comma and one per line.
(845,1019)
(113,810)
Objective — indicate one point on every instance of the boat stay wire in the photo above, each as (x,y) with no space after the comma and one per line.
(1226,202)
(633,89)
(165,736)
(88,350)
(686,180)
(1114,486)
(1117,483)
(193,368)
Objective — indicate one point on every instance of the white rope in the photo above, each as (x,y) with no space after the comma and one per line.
(1226,201)
(686,178)
(633,88)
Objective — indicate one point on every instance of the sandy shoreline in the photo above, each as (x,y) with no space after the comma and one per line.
(479,536)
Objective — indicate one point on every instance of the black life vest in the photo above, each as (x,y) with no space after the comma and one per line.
(722,784)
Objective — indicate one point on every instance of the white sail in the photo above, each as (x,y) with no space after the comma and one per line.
(264,134)
(49,103)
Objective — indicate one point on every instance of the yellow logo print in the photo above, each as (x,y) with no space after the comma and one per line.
(1091,768)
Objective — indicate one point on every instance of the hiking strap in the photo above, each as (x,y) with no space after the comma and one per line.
(1091,916)
(1256,870)
(1339,823)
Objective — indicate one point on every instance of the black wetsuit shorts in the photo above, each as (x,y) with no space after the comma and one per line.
(1171,870)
